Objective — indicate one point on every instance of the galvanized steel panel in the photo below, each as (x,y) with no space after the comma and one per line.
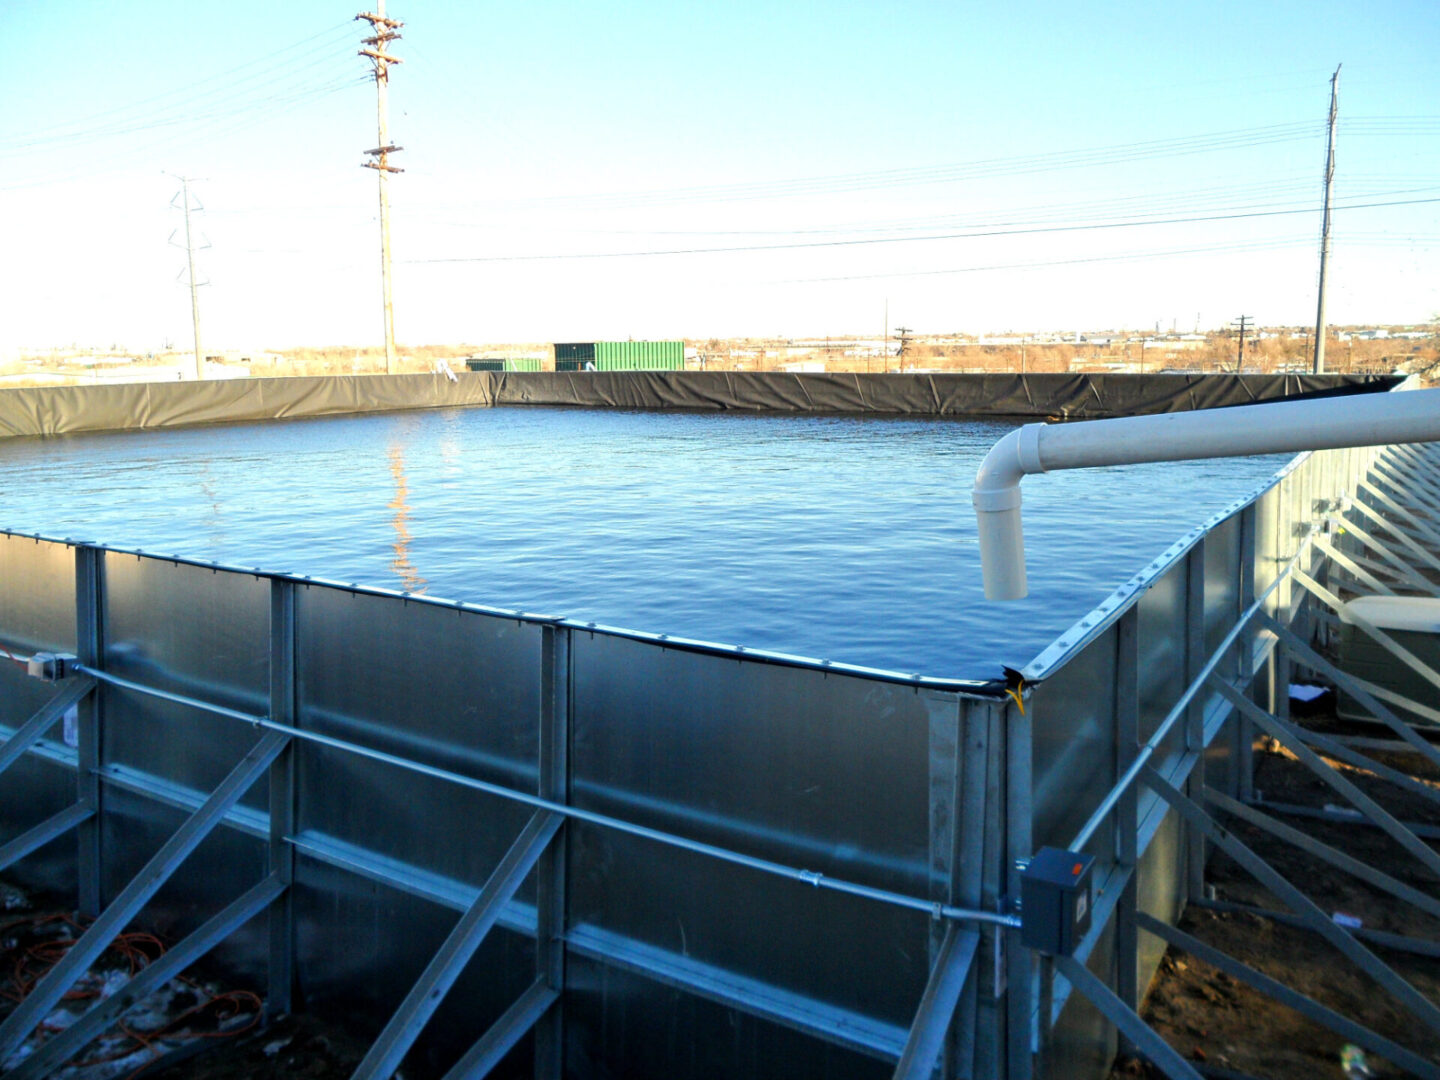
(192,631)
(441,686)
(1222,581)
(1161,661)
(1074,746)
(622,1025)
(360,947)
(37,612)
(824,773)
(37,594)
(225,864)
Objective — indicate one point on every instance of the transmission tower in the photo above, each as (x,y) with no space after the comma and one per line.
(1325,222)
(904,332)
(384,31)
(182,197)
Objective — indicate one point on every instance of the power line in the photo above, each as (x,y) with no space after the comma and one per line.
(866,241)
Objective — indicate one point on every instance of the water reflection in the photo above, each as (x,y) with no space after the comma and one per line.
(410,579)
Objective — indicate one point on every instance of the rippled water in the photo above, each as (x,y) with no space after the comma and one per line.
(848,538)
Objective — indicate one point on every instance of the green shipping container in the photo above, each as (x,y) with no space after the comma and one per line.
(620,356)
(640,356)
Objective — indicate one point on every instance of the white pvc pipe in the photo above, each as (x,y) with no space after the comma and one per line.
(1374,419)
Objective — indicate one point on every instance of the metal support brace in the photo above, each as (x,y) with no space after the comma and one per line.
(1020,964)
(529,1009)
(1342,1026)
(90,647)
(1394,507)
(974,815)
(1357,690)
(279,998)
(1394,530)
(52,828)
(1391,646)
(1127,811)
(1412,576)
(937,1005)
(1244,653)
(444,968)
(1195,712)
(1340,751)
(1383,693)
(59,1049)
(49,990)
(1141,1035)
(552,919)
(1290,738)
(30,732)
(1307,843)
(1315,919)
(1413,485)
(1369,580)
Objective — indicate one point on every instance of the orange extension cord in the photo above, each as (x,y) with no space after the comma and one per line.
(138,951)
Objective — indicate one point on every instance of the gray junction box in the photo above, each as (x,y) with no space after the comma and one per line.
(1055,900)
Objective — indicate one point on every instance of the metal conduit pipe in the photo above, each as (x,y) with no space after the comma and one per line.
(1275,428)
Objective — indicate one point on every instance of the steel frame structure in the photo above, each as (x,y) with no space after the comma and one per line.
(1179,756)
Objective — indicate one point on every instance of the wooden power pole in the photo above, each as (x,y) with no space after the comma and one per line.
(1325,223)
(1243,323)
(385,31)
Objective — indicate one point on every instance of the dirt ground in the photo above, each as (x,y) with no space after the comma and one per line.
(1228,1029)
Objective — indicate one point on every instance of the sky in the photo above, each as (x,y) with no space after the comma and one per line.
(664,170)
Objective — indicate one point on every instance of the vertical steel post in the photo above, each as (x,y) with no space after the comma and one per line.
(1019,845)
(1195,657)
(1127,810)
(1244,646)
(280,997)
(990,1020)
(551,903)
(90,647)
(959,744)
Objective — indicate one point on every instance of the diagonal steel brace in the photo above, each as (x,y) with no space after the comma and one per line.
(52,828)
(60,1049)
(1307,1006)
(1347,682)
(444,968)
(30,732)
(937,1004)
(49,990)
(1144,1038)
(1279,730)
(529,1007)
(1315,919)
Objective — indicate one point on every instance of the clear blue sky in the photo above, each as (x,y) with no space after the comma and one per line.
(811,163)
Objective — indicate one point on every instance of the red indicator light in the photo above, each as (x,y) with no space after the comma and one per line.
(1075,871)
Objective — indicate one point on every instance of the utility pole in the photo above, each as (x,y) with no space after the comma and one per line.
(184,196)
(885,346)
(385,32)
(1325,222)
(904,332)
(1242,323)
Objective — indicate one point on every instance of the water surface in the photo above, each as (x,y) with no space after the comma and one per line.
(847,538)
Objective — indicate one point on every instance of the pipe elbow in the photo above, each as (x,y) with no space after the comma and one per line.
(997,511)
(997,481)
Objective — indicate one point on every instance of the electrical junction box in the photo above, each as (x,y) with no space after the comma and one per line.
(50,667)
(1055,900)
